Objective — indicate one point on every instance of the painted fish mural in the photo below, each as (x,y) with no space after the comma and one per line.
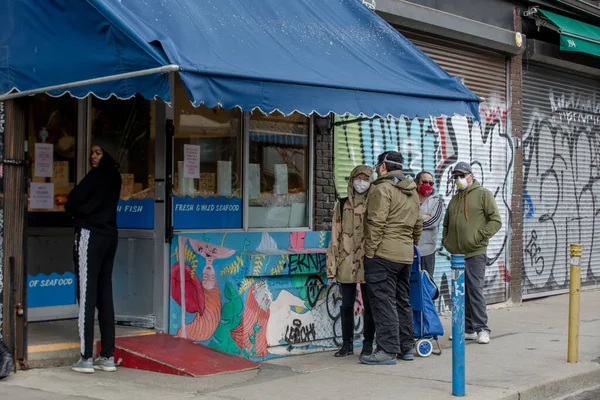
(256,295)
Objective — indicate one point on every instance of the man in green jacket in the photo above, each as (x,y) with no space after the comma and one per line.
(471,220)
(393,227)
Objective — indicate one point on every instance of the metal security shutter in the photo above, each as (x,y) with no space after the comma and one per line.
(481,71)
(436,143)
(561,168)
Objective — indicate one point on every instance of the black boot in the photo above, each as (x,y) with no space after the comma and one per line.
(346,350)
(367,349)
(347,316)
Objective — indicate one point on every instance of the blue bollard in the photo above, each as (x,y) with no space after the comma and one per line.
(458,324)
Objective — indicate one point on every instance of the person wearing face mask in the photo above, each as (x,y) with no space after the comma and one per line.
(393,227)
(345,258)
(432,208)
(471,220)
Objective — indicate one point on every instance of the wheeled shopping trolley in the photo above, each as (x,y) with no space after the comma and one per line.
(427,323)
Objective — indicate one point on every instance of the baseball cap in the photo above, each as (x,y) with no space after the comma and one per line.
(463,167)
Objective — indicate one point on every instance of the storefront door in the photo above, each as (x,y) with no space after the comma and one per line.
(54,131)
(60,132)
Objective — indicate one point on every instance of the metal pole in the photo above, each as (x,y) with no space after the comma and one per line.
(458,324)
(574,300)
(159,70)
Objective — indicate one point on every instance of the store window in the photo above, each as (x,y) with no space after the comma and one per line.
(52,156)
(125,129)
(278,171)
(213,184)
(207,167)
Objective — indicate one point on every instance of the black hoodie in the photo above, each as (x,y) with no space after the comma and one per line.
(93,203)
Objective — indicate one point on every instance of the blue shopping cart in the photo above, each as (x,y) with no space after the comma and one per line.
(423,292)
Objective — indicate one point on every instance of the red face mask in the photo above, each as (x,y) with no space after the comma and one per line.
(426,190)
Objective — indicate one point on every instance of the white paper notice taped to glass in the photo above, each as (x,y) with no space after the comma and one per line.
(254,181)
(191,161)
(224,178)
(281,179)
(41,196)
(44,160)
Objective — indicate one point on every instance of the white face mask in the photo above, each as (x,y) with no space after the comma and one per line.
(462,183)
(361,186)
(373,176)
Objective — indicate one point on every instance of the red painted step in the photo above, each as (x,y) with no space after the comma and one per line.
(172,355)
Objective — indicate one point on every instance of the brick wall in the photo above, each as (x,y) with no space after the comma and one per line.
(324,186)
(516,113)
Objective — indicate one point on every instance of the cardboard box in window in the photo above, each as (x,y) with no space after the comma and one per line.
(61,172)
(208,183)
(127,186)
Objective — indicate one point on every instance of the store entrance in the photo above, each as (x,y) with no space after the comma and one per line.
(60,132)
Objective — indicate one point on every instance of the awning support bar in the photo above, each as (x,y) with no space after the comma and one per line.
(159,70)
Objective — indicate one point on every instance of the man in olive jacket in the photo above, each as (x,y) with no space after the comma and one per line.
(471,220)
(393,227)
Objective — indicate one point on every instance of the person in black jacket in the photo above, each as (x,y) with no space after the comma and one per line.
(93,206)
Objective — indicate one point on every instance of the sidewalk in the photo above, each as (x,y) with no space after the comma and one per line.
(525,360)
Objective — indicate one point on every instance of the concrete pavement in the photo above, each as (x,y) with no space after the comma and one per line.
(525,360)
(590,394)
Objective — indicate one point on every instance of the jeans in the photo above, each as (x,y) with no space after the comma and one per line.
(388,286)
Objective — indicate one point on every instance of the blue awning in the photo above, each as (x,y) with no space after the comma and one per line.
(311,56)
(45,43)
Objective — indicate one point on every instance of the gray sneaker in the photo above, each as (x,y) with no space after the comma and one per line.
(85,366)
(379,357)
(105,364)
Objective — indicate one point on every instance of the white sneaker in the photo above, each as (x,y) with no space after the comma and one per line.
(483,337)
(470,336)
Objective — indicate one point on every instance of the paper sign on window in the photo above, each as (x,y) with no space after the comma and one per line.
(61,172)
(41,196)
(254,181)
(281,179)
(185,186)
(44,160)
(224,178)
(191,161)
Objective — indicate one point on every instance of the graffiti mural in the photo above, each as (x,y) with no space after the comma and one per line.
(436,144)
(257,295)
(561,188)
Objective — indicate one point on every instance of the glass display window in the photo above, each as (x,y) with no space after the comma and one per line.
(125,129)
(278,171)
(207,176)
(227,163)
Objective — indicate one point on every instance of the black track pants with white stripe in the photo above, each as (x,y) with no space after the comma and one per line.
(94,256)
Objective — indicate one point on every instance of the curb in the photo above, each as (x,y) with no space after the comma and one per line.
(558,388)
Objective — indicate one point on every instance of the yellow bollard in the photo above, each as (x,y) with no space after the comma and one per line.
(574,297)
